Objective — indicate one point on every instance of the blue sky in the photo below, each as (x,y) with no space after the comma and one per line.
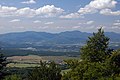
(59,15)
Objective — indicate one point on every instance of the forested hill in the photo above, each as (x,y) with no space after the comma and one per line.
(68,37)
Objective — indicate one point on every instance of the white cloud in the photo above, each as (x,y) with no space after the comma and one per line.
(71,15)
(96,5)
(7,11)
(116,24)
(86,10)
(45,11)
(93,7)
(26,12)
(37,21)
(109,12)
(101,4)
(49,23)
(75,27)
(45,27)
(86,22)
(49,10)
(90,22)
(115,27)
(29,2)
(15,20)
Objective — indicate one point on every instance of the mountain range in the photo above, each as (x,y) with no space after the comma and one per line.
(39,38)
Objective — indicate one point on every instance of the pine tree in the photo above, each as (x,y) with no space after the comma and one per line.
(96,49)
(93,64)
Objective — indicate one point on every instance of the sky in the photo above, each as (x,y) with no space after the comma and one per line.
(59,15)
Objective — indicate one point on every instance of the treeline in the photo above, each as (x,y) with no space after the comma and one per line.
(97,62)
(17,52)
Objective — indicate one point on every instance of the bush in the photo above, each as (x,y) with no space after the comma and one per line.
(45,71)
(13,77)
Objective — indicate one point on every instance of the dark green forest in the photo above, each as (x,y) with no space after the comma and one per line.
(97,62)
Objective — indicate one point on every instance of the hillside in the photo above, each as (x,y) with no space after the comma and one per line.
(43,38)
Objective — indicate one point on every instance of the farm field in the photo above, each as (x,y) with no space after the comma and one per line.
(34,60)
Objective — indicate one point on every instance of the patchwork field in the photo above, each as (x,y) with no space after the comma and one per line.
(34,60)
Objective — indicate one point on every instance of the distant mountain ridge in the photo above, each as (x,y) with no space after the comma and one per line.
(68,37)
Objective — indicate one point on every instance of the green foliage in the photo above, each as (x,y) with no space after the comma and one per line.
(97,61)
(2,65)
(72,63)
(87,71)
(96,48)
(46,71)
(114,63)
(22,72)
(109,78)
(13,77)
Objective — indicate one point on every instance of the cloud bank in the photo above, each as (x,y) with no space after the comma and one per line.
(45,11)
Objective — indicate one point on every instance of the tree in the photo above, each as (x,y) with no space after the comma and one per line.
(114,63)
(45,71)
(96,49)
(96,60)
(87,71)
(2,65)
